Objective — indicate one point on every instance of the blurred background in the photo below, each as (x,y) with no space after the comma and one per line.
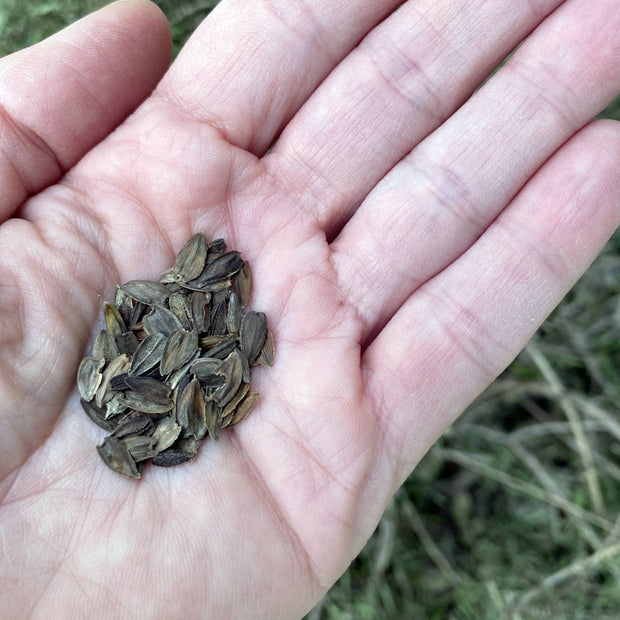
(515,513)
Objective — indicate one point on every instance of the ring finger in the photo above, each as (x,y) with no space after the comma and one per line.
(434,204)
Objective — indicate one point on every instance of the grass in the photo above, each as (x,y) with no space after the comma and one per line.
(515,513)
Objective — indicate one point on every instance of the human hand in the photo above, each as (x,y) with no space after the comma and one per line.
(405,244)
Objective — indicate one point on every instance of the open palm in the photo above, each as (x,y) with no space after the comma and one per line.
(405,242)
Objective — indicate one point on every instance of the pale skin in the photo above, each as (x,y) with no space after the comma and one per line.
(407,236)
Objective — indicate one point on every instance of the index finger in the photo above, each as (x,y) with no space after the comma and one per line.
(250,66)
(62,96)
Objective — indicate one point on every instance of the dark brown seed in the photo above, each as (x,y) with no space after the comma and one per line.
(124,304)
(127,343)
(213,419)
(177,375)
(235,400)
(161,321)
(253,334)
(216,247)
(183,383)
(222,268)
(179,305)
(217,318)
(148,354)
(208,342)
(267,353)
(242,285)
(89,377)
(232,370)
(140,447)
(139,309)
(114,320)
(172,457)
(205,367)
(133,400)
(117,457)
(212,382)
(244,407)
(149,293)
(97,415)
(133,423)
(105,346)
(245,368)
(209,287)
(200,310)
(233,315)
(181,346)
(119,383)
(219,296)
(223,348)
(130,309)
(149,388)
(191,259)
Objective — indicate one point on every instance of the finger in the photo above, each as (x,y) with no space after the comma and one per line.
(461,329)
(251,65)
(407,76)
(62,96)
(440,199)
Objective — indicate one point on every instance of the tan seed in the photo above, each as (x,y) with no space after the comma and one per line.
(133,423)
(105,346)
(114,406)
(133,400)
(200,310)
(244,407)
(180,306)
(242,285)
(149,293)
(181,346)
(166,433)
(141,448)
(117,366)
(117,457)
(235,400)
(114,320)
(191,259)
(267,353)
(148,354)
(232,370)
(89,377)
(161,321)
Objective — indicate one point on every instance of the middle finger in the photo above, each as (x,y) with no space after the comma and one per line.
(409,74)
(434,204)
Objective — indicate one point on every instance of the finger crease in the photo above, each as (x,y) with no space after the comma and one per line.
(34,140)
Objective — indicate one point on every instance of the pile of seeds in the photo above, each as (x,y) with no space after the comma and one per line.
(173,365)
